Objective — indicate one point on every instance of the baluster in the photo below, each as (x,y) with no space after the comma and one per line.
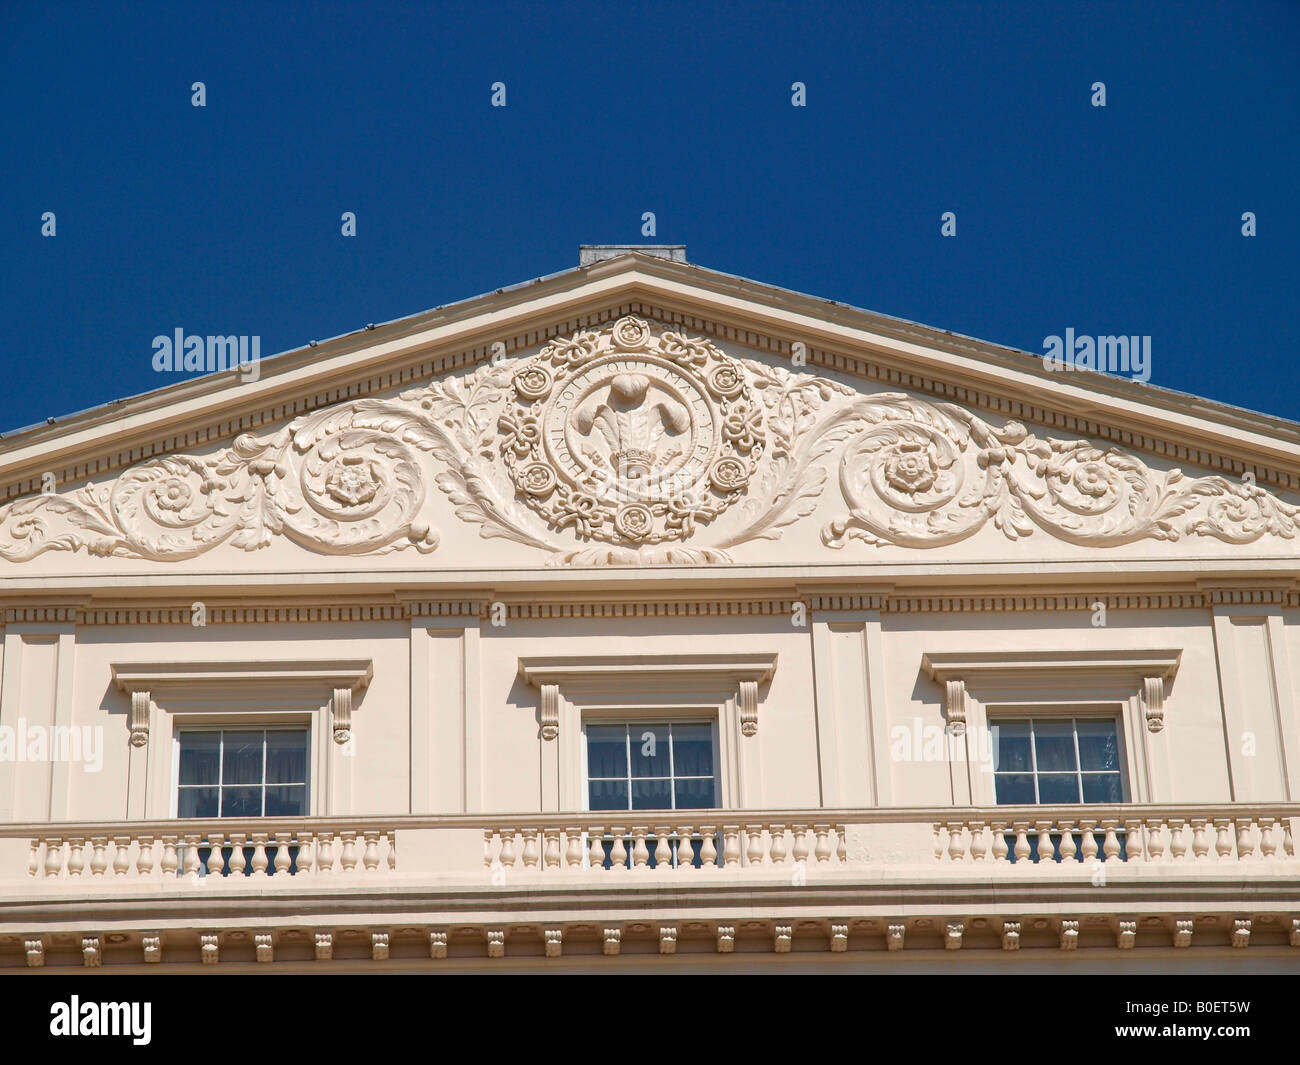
(1223,838)
(1200,845)
(282,859)
(573,847)
(1288,844)
(640,852)
(1133,846)
(1177,838)
(1111,847)
(841,845)
(121,855)
(76,861)
(663,850)
(754,849)
(937,833)
(370,858)
(956,846)
(1021,829)
(33,857)
(391,837)
(53,857)
(1245,838)
(144,860)
(708,846)
(618,856)
(1068,847)
(1267,841)
(508,848)
(169,862)
(823,849)
(730,845)
(777,847)
(1155,840)
(1088,828)
(489,835)
(216,860)
(685,851)
(999,830)
(532,853)
(551,851)
(99,857)
(260,861)
(325,853)
(192,854)
(596,851)
(348,859)
(303,861)
(1046,856)
(237,860)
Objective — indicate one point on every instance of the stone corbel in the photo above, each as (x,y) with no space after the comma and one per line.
(1153,702)
(139,718)
(550,711)
(954,705)
(748,706)
(341,712)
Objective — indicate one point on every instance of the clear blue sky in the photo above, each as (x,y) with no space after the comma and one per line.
(226,219)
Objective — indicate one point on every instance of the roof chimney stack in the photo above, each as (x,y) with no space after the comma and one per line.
(595,253)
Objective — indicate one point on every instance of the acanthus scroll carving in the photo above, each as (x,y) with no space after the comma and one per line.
(634,444)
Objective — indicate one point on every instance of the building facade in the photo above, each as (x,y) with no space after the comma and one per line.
(645,616)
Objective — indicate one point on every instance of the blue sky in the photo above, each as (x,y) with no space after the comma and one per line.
(226,219)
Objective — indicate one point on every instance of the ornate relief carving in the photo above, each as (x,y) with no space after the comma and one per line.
(638,443)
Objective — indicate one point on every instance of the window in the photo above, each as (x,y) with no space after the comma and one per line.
(1057,760)
(659,765)
(243,772)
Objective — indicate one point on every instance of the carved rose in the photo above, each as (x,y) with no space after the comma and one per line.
(537,479)
(728,474)
(634,521)
(351,480)
(1092,479)
(725,382)
(533,383)
(911,469)
(173,494)
(630,333)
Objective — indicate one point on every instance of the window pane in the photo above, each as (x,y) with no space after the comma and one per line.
(197,802)
(286,757)
(649,751)
(1098,745)
(1014,788)
(287,800)
(606,753)
(651,795)
(693,750)
(1054,746)
(200,757)
(696,794)
(1058,787)
(1012,747)
(607,795)
(1102,787)
(241,802)
(243,758)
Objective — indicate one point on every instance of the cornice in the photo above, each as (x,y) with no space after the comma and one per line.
(899,354)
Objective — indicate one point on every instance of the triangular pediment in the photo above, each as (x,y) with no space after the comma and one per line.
(642,412)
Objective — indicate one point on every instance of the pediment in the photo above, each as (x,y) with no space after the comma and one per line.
(633,439)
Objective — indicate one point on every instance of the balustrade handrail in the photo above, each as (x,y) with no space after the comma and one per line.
(582,818)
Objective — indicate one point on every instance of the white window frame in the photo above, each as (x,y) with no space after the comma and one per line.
(1074,714)
(651,719)
(224,726)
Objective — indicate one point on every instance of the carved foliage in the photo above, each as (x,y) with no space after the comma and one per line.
(638,443)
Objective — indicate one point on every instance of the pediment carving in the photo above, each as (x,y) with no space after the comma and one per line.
(634,444)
